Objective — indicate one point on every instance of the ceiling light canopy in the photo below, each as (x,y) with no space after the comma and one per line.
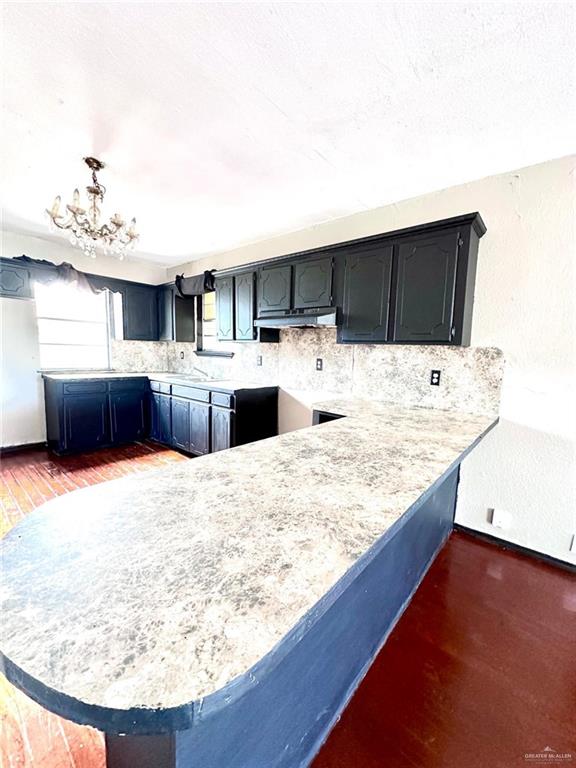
(86,229)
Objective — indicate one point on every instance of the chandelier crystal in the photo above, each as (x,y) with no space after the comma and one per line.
(87,231)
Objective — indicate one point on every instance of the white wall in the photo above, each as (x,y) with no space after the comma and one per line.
(524,305)
(22,399)
(22,396)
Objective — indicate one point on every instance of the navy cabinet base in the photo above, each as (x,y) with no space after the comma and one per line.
(83,415)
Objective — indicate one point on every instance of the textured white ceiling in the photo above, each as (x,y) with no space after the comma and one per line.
(224,124)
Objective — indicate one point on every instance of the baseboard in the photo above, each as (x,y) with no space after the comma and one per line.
(503,544)
(10,449)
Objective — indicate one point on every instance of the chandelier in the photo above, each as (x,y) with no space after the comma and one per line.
(86,230)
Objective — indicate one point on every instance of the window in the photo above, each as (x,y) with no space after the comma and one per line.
(73,327)
(209,331)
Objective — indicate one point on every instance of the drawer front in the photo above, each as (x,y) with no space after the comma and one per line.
(192,393)
(85,387)
(129,385)
(160,386)
(223,399)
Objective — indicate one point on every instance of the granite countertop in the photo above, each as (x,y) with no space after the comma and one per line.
(182,379)
(158,590)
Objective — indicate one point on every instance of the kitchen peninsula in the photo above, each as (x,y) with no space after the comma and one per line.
(231,629)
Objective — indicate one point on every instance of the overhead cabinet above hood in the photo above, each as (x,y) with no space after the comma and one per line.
(299,319)
(296,295)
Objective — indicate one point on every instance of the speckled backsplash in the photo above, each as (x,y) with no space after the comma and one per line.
(470,376)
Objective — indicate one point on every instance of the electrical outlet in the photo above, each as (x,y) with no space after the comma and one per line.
(499,518)
(259,360)
(181,355)
(435,378)
(319,364)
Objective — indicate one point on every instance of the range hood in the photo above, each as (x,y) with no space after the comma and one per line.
(321,318)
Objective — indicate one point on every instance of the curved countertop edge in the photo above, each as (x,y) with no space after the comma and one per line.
(143,721)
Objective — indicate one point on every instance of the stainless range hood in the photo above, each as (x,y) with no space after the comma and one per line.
(319,319)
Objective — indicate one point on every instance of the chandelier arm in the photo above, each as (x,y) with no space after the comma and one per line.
(84,225)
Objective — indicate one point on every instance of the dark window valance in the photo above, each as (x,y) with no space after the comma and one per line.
(46,272)
(195,285)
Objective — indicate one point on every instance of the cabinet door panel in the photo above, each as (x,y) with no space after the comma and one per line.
(225,308)
(166,320)
(222,429)
(140,312)
(184,319)
(15,281)
(128,416)
(244,306)
(199,428)
(86,421)
(313,283)
(366,298)
(274,289)
(161,418)
(181,423)
(425,288)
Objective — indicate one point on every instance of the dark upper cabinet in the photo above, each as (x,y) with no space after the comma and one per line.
(166,315)
(15,281)
(244,306)
(128,414)
(222,428)
(160,418)
(140,312)
(425,289)
(225,307)
(366,294)
(86,421)
(275,289)
(181,423)
(199,427)
(176,315)
(185,319)
(313,283)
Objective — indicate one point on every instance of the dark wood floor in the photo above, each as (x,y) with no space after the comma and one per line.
(479,672)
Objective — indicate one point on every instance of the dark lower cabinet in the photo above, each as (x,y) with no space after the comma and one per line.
(425,289)
(82,415)
(222,428)
(160,418)
(128,412)
(85,414)
(181,423)
(86,422)
(199,428)
(366,295)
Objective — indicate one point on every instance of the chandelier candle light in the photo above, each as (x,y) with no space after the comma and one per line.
(86,231)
